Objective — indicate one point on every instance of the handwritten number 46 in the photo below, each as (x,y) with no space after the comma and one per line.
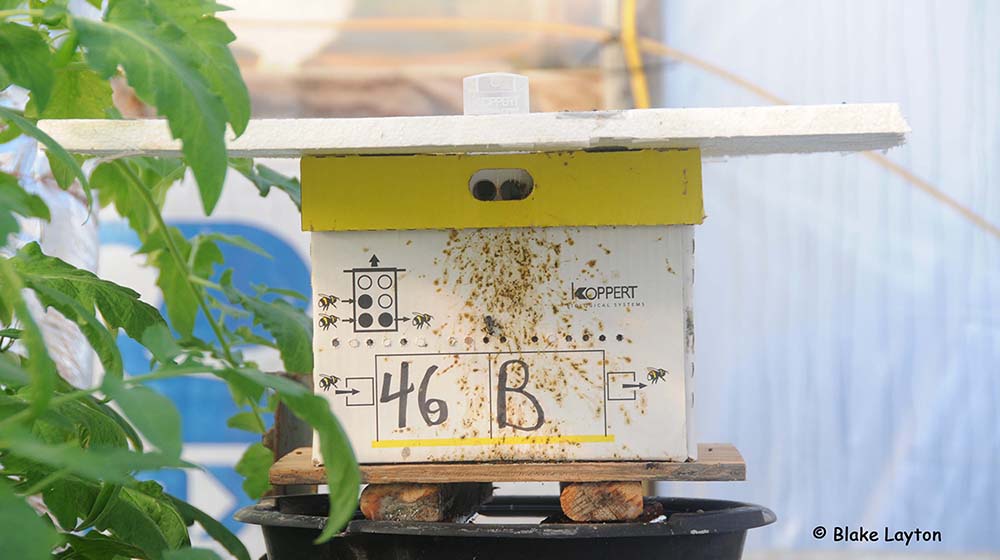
(434,411)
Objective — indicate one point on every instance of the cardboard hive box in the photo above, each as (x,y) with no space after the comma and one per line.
(531,306)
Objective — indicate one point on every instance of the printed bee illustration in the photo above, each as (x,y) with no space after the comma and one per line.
(655,375)
(327,301)
(327,381)
(421,320)
(327,321)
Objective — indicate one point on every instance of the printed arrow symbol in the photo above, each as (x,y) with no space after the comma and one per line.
(348,300)
(633,386)
(373,261)
(347,391)
(348,320)
(402,318)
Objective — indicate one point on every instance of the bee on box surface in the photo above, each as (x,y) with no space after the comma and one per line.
(421,320)
(326,381)
(655,375)
(327,301)
(327,321)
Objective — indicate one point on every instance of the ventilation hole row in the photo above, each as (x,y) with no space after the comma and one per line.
(387,342)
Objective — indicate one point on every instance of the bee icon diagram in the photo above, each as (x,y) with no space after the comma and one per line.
(374,302)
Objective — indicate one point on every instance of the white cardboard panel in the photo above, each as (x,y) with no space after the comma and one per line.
(463,313)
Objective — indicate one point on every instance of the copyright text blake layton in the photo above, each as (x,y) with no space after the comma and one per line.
(860,534)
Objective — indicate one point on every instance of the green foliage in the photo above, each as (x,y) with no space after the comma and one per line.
(290,328)
(253,466)
(15,200)
(265,178)
(26,60)
(31,536)
(77,93)
(176,58)
(80,449)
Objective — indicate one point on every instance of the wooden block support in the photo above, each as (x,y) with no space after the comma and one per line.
(716,462)
(422,502)
(602,501)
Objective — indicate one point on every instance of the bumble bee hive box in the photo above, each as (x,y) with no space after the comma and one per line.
(506,307)
(500,287)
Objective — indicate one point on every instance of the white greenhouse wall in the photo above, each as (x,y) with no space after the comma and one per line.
(848,325)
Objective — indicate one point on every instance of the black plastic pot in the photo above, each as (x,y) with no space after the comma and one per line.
(692,530)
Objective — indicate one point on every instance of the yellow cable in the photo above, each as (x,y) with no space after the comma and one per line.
(633,57)
(645,44)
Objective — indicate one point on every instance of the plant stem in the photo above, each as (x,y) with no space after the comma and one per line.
(206,283)
(178,259)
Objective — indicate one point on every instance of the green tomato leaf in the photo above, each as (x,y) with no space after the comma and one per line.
(149,521)
(59,158)
(216,530)
(206,254)
(246,421)
(265,178)
(100,338)
(289,325)
(171,54)
(96,546)
(15,200)
(234,240)
(25,56)
(253,466)
(152,413)
(342,472)
(101,506)
(110,464)
(27,536)
(182,304)
(68,500)
(160,342)
(76,293)
(114,183)
(91,425)
(11,373)
(210,38)
(78,93)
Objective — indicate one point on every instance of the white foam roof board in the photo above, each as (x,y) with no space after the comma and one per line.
(719,132)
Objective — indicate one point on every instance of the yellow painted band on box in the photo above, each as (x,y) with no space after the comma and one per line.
(511,440)
(431,191)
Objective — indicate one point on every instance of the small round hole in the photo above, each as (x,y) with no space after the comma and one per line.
(534,339)
(484,190)
(602,338)
(569,338)
(586,337)
(514,190)
(620,337)
(370,342)
(486,340)
(335,342)
(503,339)
(402,342)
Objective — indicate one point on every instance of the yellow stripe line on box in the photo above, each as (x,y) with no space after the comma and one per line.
(518,440)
